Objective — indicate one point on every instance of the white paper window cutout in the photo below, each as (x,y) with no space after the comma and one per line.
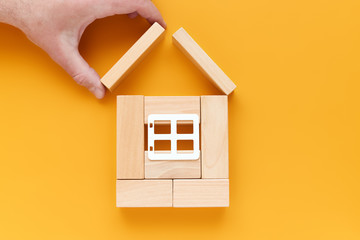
(173,137)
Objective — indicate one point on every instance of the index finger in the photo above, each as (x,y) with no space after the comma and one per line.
(148,10)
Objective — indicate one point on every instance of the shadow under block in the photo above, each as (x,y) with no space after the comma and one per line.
(171,105)
(130,137)
(172,168)
(144,193)
(214,137)
(207,66)
(133,56)
(201,193)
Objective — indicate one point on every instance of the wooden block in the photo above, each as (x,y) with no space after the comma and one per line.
(201,193)
(133,56)
(144,193)
(172,168)
(207,66)
(172,105)
(214,137)
(130,137)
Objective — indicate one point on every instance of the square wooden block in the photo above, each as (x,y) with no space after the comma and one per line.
(171,105)
(172,169)
(201,193)
(144,193)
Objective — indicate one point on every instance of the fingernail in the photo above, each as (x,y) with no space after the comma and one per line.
(99,93)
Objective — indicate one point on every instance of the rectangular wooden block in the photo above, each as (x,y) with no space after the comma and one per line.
(172,168)
(130,137)
(171,105)
(207,66)
(144,193)
(133,56)
(201,193)
(214,137)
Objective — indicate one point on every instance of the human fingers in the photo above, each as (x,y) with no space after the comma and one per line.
(74,64)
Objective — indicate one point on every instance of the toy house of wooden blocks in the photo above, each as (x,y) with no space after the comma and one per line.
(172,151)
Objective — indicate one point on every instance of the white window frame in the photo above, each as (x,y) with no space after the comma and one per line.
(173,137)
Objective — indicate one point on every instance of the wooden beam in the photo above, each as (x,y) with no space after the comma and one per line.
(133,56)
(171,105)
(201,193)
(171,168)
(214,137)
(144,193)
(130,137)
(207,66)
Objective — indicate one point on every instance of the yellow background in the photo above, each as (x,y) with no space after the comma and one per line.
(294,125)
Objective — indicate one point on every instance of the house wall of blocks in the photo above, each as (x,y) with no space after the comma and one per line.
(145,182)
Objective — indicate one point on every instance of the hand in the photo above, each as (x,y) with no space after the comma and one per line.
(57,26)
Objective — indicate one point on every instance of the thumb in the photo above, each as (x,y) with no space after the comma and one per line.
(74,64)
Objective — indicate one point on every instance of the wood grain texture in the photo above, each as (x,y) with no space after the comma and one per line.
(171,105)
(201,193)
(207,66)
(214,137)
(172,169)
(130,137)
(144,193)
(133,56)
